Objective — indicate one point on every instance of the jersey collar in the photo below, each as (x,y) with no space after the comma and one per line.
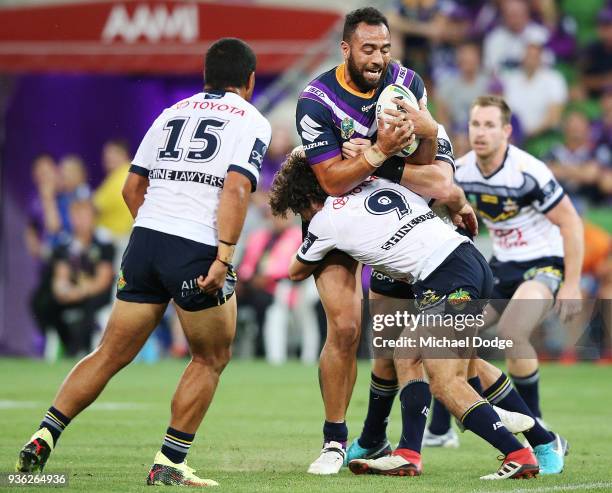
(342,81)
(487,177)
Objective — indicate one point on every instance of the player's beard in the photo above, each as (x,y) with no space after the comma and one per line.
(358,78)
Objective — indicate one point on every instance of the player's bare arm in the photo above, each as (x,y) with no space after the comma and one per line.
(394,133)
(564,215)
(434,180)
(462,213)
(134,190)
(298,271)
(233,206)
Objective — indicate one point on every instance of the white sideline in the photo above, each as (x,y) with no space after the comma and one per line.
(96,406)
(570,487)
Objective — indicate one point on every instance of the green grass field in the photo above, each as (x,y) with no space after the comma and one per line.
(264,428)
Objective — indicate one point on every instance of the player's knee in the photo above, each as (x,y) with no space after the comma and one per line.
(113,357)
(215,359)
(343,334)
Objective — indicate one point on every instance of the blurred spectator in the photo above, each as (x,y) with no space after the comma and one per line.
(44,218)
(415,26)
(603,131)
(41,234)
(504,47)
(283,141)
(573,161)
(113,214)
(455,93)
(268,252)
(82,278)
(562,28)
(597,59)
(536,93)
(73,186)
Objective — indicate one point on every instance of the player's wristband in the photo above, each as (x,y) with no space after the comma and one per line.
(227,264)
(392,169)
(227,243)
(374,156)
(225,253)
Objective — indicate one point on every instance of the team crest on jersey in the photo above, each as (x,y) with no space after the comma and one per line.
(510,206)
(121,282)
(347,128)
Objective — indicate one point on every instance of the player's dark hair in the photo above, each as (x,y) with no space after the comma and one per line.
(229,63)
(497,102)
(368,15)
(295,187)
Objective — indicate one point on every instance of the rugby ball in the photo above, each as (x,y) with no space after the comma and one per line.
(384,102)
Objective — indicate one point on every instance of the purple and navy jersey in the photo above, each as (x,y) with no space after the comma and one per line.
(329,112)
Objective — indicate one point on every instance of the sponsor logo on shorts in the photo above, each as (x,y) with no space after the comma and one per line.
(459,298)
(548,271)
(430,298)
(121,282)
(190,288)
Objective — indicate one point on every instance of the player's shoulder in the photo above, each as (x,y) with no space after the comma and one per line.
(320,87)
(523,162)
(465,165)
(399,74)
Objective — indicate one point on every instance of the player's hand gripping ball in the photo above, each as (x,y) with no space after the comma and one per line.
(385,102)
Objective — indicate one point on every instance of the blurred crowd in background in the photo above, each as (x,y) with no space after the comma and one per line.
(552,61)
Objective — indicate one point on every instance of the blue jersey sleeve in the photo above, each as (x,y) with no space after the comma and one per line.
(316,130)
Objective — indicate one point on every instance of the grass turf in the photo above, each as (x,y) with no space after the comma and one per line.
(264,428)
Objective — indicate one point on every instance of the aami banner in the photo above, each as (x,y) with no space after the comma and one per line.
(164,37)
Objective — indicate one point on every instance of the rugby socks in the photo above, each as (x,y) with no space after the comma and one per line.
(176,445)
(55,422)
(482,419)
(528,387)
(415,398)
(440,419)
(504,395)
(335,432)
(475,384)
(382,394)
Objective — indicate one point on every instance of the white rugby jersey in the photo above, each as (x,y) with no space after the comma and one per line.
(186,155)
(384,225)
(513,202)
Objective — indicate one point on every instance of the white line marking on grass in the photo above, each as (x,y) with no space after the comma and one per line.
(96,406)
(570,487)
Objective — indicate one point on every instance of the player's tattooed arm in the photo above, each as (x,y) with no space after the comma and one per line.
(134,190)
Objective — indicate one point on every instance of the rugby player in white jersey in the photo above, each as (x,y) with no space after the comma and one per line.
(537,245)
(188,191)
(391,228)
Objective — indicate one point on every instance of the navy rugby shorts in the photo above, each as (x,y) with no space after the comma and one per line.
(463,277)
(157,267)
